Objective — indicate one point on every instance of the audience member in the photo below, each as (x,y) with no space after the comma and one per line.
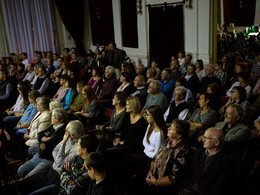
(192,79)
(139,89)
(167,84)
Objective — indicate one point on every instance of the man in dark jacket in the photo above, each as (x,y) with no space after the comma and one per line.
(212,171)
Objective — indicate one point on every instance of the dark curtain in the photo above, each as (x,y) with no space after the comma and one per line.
(129,23)
(239,12)
(165,32)
(72,15)
(102,25)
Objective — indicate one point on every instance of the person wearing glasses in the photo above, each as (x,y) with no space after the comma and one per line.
(211,171)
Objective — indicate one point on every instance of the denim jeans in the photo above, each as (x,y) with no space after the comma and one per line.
(33,166)
(52,189)
(32,150)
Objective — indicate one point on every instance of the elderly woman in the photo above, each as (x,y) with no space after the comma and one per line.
(40,122)
(48,139)
(171,161)
(109,84)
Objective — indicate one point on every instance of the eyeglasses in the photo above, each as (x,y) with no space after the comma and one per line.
(209,138)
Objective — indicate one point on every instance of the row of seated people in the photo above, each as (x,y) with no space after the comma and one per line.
(123,140)
(155,97)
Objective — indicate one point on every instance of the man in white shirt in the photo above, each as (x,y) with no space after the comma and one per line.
(30,74)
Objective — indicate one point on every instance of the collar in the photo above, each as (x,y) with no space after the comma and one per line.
(140,88)
(208,155)
(179,102)
(58,127)
(42,76)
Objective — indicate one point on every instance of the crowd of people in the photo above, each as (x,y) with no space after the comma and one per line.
(187,127)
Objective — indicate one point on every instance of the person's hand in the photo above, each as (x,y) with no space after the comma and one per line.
(200,138)
(10,112)
(26,136)
(116,141)
(77,113)
(44,139)
(150,179)
(152,150)
(67,166)
(18,126)
(100,127)
(65,137)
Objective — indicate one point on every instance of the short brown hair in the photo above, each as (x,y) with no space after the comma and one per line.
(182,127)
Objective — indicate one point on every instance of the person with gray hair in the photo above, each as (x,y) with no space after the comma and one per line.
(109,84)
(236,133)
(155,97)
(211,171)
(63,153)
(178,109)
(40,122)
(48,139)
(209,78)
(55,104)
(139,89)
(42,83)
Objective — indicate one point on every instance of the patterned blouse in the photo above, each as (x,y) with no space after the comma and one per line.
(172,161)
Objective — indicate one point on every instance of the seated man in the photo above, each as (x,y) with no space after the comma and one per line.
(178,109)
(30,73)
(235,132)
(48,139)
(192,79)
(209,78)
(6,89)
(96,166)
(64,152)
(167,84)
(155,97)
(42,83)
(211,171)
(73,177)
(139,89)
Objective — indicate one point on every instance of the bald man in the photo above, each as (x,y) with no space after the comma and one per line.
(209,78)
(212,171)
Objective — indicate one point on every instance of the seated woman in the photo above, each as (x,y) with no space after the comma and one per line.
(91,113)
(40,122)
(22,101)
(79,100)
(125,79)
(171,161)
(69,95)
(20,72)
(214,91)
(21,127)
(152,141)
(115,126)
(61,91)
(150,75)
(238,96)
(203,117)
(200,69)
(131,139)
(95,81)
(109,84)
(18,107)
(243,81)
(64,66)
(48,139)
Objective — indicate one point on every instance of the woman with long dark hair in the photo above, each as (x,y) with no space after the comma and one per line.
(152,141)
